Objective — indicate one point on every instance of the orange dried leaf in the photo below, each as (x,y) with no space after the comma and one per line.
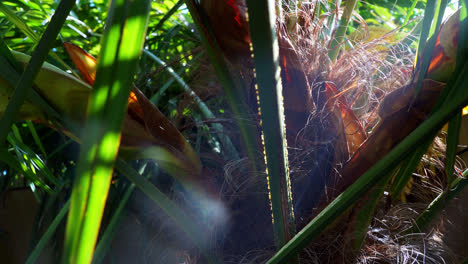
(144,125)
(355,134)
(84,62)
(229,23)
(444,55)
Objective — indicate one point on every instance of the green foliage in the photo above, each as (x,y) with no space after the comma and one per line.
(173,68)
(271,110)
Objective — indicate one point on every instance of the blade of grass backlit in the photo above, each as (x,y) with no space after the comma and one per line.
(39,55)
(19,23)
(106,239)
(410,12)
(13,163)
(167,15)
(462,52)
(232,92)
(453,134)
(33,161)
(270,96)
(30,33)
(372,176)
(363,213)
(35,136)
(407,169)
(115,221)
(10,71)
(429,13)
(430,29)
(121,46)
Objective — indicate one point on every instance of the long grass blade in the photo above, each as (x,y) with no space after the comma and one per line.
(19,23)
(48,234)
(231,90)
(121,47)
(410,12)
(31,159)
(106,239)
(430,28)
(10,72)
(429,13)
(462,51)
(39,55)
(406,171)
(452,146)
(267,71)
(35,136)
(364,212)
(168,15)
(29,32)
(18,166)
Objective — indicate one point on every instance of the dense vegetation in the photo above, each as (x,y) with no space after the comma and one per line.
(332,127)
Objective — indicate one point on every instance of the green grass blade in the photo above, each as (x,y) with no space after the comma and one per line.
(48,234)
(10,68)
(407,169)
(270,96)
(410,12)
(430,29)
(115,221)
(233,93)
(32,160)
(439,14)
(452,146)
(372,176)
(19,23)
(18,166)
(429,13)
(27,155)
(363,213)
(106,239)
(10,71)
(168,15)
(29,32)
(36,138)
(121,47)
(39,55)
(335,45)
(462,52)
